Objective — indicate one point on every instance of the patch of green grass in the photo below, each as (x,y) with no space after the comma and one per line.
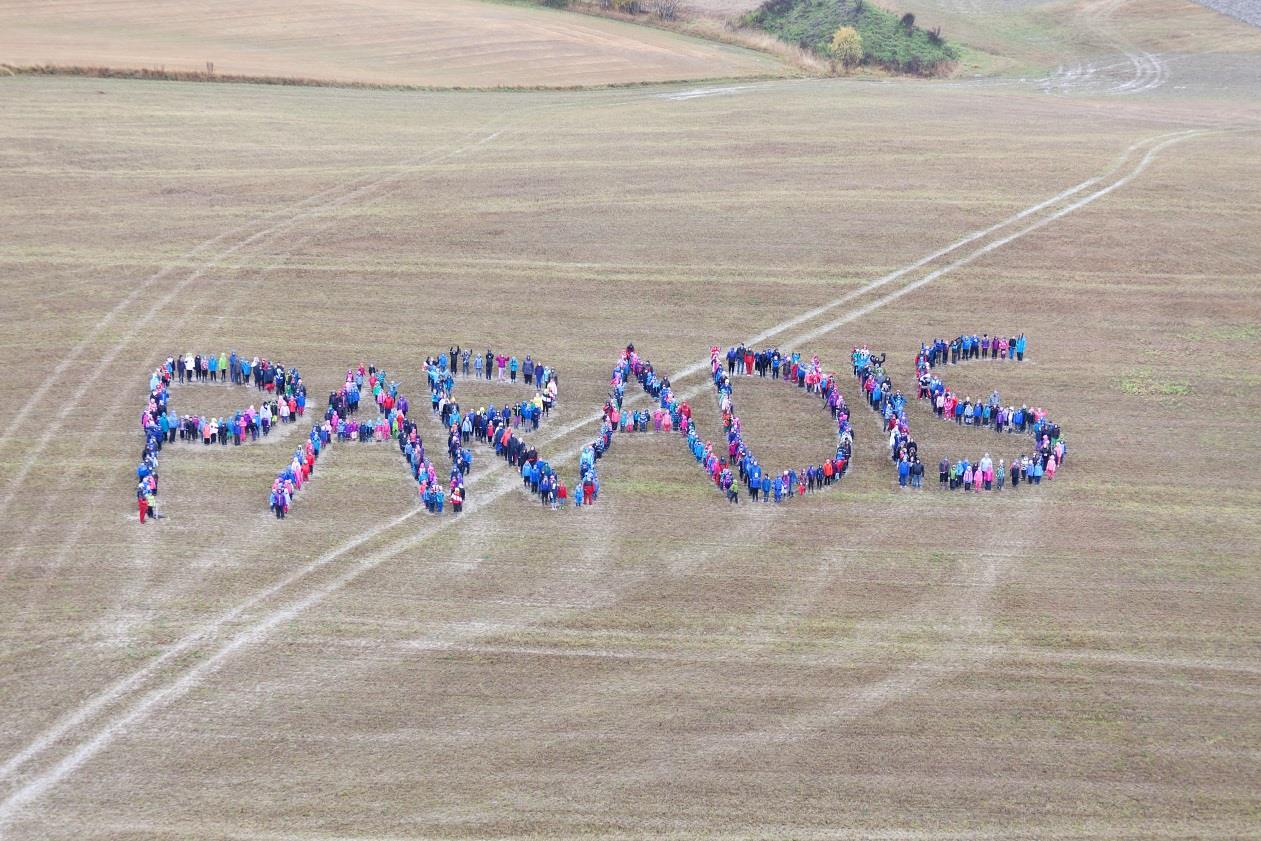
(1144,384)
(1226,333)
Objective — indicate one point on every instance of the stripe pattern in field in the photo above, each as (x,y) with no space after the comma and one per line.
(445,43)
(693,678)
(140,697)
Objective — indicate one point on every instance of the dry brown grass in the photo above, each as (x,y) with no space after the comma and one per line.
(438,43)
(1082,661)
(710,24)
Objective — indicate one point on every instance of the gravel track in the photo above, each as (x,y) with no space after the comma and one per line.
(1248,11)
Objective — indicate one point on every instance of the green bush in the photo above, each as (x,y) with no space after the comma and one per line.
(888,40)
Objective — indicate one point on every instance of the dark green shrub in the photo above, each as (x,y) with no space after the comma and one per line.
(888,40)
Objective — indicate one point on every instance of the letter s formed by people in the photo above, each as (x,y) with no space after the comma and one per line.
(1041,456)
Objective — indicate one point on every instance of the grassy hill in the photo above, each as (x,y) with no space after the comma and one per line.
(888,40)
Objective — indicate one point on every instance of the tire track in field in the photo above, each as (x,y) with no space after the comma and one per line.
(99,430)
(969,646)
(262,236)
(226,310)
(973,616)
(69,539)
(1144,71)
(34,786)
(1133,71)
(314,206)
(190,641)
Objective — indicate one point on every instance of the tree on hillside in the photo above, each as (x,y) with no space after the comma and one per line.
(847,46)
(666,9)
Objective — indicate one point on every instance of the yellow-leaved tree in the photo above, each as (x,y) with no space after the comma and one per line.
(847,46)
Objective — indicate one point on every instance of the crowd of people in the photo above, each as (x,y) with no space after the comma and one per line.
(500,428)
(890,404)
(969,474)
(227,367)
(729,466)
(734,464)
(508,367)
(669,413)
(1049,446)
(984,346)
(340,423)
(778,485)
(285,402)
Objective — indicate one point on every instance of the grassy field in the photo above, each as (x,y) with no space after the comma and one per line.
(1077,661)
(445,43)
(1092,46)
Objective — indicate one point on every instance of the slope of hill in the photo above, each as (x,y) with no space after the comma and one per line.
(888,39)
(1248,11)
(1123,46)
(456,43)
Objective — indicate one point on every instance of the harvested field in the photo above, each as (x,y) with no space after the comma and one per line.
(1082,660)
(443,43)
